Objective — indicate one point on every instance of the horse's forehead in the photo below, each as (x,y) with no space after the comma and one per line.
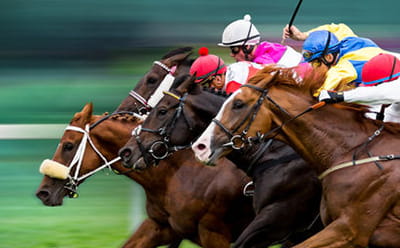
(227,102)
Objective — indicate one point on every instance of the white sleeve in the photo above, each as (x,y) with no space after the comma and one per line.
(237,72)
(383,93)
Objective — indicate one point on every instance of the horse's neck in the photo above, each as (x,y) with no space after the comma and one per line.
(112,135)
(325,137)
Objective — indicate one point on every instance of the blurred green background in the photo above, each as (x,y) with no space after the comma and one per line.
(57,55)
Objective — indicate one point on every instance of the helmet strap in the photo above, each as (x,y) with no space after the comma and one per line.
(326,52)
(393,67)
(246,50)
(326,62)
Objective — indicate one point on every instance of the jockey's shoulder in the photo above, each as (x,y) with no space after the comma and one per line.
(245,65)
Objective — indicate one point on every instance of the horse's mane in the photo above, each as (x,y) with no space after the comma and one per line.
(177,51)
(275,75)
(119,116)
(307,84)
(128,117)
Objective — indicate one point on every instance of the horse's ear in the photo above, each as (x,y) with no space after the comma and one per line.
(84,116)
(188,85)
(178,58)
(88,109)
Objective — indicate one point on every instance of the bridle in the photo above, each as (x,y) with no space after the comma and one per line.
(75,179)
(243,140)
(164,132)
(238,141)
(147,104)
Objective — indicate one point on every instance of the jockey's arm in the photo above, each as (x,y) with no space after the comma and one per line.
(340,30)
(384,93)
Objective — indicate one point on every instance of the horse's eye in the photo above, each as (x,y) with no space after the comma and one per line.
(237,104)
(68,146)
(151,80)
(162,112)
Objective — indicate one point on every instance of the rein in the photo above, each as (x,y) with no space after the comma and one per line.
(262,137)
(153,99)
(370,159)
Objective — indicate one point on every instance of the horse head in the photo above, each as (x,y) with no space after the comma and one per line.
(88,145)
(246,114)
(160,77)
(172,125)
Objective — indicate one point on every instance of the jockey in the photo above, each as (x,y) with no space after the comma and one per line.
(209,69)
(337,51)
(380,85)
(212,72)
(243,38)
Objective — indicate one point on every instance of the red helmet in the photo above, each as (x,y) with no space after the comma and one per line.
(381,68)
(207,65)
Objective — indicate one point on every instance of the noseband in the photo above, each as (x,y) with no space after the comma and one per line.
(164,132)
(73,180)
(145,105)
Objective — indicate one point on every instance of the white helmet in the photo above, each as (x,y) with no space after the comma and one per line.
(240,32)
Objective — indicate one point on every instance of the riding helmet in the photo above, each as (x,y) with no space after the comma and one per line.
(318,44)
(383,67)
(239,33)
(207,65)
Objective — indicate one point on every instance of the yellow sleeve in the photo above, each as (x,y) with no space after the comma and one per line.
(340,30)
(339,77)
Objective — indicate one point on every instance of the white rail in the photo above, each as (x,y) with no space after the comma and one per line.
(31,131)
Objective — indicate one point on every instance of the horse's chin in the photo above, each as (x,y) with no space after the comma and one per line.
(140,164)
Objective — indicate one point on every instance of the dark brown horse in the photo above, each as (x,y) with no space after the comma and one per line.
(356,157)
(184,199)
(160,77)
(284,213)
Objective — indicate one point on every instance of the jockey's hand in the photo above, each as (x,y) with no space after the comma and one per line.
(294,33)
(331,96)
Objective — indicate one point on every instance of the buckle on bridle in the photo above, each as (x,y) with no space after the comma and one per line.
(238,142)
(72,188)
(152,151)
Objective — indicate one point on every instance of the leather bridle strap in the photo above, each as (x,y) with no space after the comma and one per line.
(141,99)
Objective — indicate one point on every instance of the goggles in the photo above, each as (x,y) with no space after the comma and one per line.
(235,49)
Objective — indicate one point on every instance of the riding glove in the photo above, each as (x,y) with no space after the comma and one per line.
(331,96)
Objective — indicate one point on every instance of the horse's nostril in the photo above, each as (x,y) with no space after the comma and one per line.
(43,195)
(125,153)
(201,147)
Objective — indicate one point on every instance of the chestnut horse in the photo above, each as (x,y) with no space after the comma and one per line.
(184,199)
(283,212)
(354,156)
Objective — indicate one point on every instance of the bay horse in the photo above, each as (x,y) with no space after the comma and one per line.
(179,204)
(283,213)
(355,157)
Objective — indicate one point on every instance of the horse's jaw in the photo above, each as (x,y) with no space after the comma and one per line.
(140,164)
(217,153)
(51,192)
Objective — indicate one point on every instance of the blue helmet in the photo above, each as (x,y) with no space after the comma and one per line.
(318,44)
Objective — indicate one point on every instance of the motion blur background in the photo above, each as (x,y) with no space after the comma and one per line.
(57,55)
